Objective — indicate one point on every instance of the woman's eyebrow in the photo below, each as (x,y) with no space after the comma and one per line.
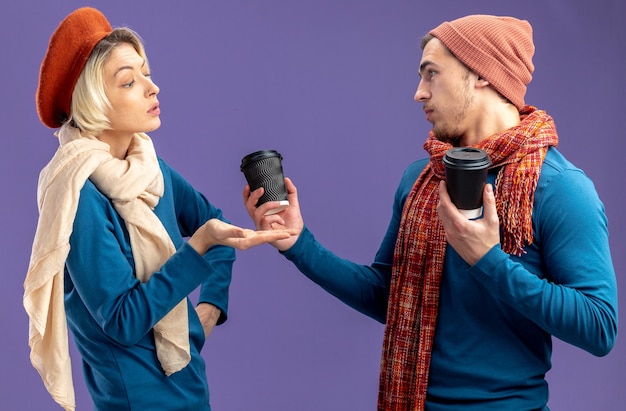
(127,68)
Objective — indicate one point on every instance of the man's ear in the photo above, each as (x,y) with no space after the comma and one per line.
(481,82)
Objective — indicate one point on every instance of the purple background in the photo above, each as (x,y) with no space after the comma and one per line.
(329,84)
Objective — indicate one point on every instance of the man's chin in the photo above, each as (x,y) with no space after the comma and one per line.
(446,137)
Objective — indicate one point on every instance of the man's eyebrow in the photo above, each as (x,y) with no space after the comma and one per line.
(424,65)
(127,68)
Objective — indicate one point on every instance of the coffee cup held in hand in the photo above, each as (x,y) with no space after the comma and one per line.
(264,169)
(466,174)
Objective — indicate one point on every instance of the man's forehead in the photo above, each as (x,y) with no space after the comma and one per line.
(435,52)
(434,48)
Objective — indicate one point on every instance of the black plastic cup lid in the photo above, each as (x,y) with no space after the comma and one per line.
(468,158)
(259,155)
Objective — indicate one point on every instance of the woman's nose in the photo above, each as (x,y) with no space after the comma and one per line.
(152,88)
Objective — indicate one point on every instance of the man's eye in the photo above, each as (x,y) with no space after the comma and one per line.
(431,73)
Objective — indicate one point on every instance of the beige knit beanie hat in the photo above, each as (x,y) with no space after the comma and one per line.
(499,49)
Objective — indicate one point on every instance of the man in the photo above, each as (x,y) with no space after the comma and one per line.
(470,305)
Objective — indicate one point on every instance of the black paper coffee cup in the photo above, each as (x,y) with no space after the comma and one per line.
(466,175)
(264,169)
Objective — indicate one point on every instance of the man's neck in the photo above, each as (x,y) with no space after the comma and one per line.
(491,120)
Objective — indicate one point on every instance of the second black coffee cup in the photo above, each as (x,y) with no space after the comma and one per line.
(264,169)
(466,174)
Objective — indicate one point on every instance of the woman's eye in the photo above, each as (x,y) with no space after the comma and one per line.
(129,85)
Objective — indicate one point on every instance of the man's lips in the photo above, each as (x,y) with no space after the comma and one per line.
(428,112)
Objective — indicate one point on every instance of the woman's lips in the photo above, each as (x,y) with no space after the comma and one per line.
(155,110)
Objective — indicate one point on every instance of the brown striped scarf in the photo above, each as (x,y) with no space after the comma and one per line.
(420,249)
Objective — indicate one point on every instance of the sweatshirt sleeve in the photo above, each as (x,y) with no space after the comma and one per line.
(362,287)
(192,211)
(576,299)
(101,271)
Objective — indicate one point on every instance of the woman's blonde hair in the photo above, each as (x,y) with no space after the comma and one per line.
(90,104)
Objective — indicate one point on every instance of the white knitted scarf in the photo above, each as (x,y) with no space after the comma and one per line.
(135,185)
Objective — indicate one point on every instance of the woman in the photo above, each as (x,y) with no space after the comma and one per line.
(109,257)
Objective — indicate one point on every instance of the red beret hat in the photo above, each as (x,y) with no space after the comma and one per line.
(70,46)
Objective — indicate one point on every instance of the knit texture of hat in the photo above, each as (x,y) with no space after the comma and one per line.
(499,49)
(69,48)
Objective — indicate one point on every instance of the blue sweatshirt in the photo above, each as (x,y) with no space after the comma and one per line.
(111,314)
(492,344)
